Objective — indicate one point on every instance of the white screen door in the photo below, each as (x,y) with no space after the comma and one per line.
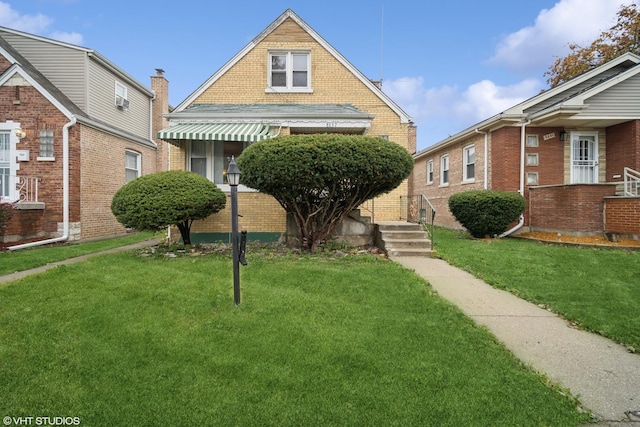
(584,159)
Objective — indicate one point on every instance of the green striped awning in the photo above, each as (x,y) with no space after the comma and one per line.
(242,132)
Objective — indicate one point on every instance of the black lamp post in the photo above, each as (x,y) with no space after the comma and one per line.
(233,177)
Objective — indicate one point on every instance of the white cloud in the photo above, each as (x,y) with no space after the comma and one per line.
(569,21)
(34,24)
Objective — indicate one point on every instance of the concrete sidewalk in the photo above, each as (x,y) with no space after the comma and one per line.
(602,374)
(20,274)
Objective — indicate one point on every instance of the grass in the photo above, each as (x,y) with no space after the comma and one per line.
(24,259)
(142,341)
(597,289)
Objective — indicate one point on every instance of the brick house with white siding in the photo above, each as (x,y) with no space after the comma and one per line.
(70,137)
(287,80)
(568,150)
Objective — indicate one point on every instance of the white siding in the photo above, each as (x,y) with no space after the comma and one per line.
(621,100)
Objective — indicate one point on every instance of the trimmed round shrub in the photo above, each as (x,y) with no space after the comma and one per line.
(156,201)
(486,212)
(319,179)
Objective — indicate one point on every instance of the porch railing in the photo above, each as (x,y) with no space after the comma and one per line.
(418,209)
(631,182)
(26,188)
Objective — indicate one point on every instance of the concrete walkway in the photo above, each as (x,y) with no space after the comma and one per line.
(20,274)
(602,374)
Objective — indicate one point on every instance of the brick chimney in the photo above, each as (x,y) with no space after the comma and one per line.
(160,86)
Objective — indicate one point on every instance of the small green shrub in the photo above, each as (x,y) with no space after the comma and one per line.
(155,201)
(486,212)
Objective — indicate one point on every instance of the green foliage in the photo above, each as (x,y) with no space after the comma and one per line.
(622,37)
(486,212)
(6,212)
(319,179)
(155,201)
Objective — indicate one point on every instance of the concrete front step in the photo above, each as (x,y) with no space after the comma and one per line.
(398,238)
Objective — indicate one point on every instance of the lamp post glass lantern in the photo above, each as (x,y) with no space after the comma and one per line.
(233,177)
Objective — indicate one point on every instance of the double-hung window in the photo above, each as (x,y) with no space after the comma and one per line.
(430,172)
(444,170)
(469,159)
(211,159)
(131,165)
(289,71)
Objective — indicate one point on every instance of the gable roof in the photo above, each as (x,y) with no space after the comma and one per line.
(405,118)
(553,106)
(20,65)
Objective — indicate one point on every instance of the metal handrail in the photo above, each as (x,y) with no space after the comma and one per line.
(419,210)
(631,182)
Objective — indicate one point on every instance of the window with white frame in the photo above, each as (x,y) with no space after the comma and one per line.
(7,184)
(469,160)
(532,140)
(131,165)
(46,143)
(444,170)
(211,159)
(121,95)
(532,178)
(532,159)
(430,172)
(289,71)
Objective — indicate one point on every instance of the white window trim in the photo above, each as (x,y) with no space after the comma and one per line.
(289,73)
(430,172)
(537,141)
(532,174)
(465,150)
(120,90)
(444,158)
(138,157)
(46,158)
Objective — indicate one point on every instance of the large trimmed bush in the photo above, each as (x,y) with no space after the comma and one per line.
(486,212)
(319,179)
(155,201)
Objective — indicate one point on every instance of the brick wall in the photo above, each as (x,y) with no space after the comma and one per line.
(23,104)
(577,208)
(622,215)
(623,149)
(102,164)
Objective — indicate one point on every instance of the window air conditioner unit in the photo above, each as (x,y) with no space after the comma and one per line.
(121,102)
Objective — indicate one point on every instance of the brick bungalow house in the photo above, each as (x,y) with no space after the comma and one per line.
(569,151)
(74,128)
(287,80)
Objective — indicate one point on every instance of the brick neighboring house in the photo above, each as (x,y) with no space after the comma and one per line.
(287,80)
(568,150)
(74,128)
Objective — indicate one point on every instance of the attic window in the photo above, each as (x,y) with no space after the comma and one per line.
(289,72)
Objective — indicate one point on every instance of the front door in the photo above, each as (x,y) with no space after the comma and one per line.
(584,158)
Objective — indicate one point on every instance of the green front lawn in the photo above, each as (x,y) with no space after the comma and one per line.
(598,289)
(146,341)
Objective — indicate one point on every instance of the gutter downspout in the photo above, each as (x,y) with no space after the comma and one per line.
(486,157)
(65,193)
(523,139)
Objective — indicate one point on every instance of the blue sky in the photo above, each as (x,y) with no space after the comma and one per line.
(448,64)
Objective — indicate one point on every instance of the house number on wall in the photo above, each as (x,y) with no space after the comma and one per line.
(549,136)
(332,124)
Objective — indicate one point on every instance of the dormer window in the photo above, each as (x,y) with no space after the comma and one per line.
(289,72)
